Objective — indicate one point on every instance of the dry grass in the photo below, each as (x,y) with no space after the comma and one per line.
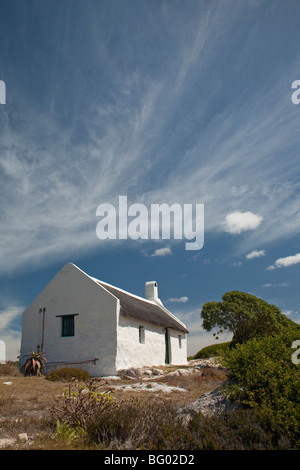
(26,403)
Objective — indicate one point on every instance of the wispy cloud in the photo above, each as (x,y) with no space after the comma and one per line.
(8,315)
(172,125)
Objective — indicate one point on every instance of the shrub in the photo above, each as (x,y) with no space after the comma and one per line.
(66,374)
(212,351)
(81,405)
(136,424)
(9,368)
(268,381)
(133,424)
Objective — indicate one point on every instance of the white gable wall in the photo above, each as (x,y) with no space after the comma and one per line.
(73,292)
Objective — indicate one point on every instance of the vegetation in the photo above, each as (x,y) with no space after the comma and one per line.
(66,374)
(154,424)
(81,404)
(10,368)
(35,364)
(212,351)
(244,315)
(268,381)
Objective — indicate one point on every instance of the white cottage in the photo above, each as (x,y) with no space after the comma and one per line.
(80,321)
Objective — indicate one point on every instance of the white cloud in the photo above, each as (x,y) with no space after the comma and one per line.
(9,315)
(270,268)
(162,252)
(238,222)
(256,254)
(182,300)
(285,262)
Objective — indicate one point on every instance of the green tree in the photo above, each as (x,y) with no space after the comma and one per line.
(245,316)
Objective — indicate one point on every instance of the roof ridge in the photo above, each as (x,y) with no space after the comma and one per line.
(124,291)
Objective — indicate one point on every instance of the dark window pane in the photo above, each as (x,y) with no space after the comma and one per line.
(68,325)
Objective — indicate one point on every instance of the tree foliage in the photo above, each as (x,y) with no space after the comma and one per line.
(268,381)
(245,316)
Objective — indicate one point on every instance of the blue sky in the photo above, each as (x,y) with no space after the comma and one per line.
(165,102)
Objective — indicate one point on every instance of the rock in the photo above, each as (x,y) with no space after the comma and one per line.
(181,372)
(22,437)
(131,372)
(150,387)
(137,373)
(211,362)
(156,371)
(211,403)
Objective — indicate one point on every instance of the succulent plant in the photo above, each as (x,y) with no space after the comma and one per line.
(35,364)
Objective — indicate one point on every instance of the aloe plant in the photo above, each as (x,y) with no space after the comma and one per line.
(35,364)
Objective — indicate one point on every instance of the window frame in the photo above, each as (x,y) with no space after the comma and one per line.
(141,334)
(67,330)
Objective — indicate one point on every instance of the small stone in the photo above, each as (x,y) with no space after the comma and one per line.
(22,437)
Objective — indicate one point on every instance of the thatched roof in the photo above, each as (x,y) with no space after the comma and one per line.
(143,309)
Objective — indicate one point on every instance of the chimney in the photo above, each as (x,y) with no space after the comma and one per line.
(151,292)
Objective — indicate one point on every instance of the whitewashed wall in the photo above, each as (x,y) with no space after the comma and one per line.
(177,355)
(132,353)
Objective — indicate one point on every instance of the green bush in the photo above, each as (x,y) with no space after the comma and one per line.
(66,374)
(268,381)
(212,350)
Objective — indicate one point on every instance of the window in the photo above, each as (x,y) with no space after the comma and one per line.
(142,334)
(67,325)
(179,341)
